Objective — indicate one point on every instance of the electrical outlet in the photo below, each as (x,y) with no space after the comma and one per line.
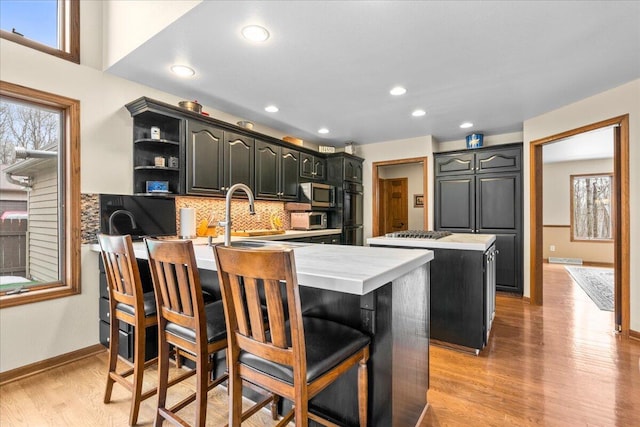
(552,248)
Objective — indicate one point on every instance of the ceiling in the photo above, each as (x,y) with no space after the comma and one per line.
(332,64)
(597,144)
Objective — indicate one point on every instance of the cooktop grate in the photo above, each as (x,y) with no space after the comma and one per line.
(419,234)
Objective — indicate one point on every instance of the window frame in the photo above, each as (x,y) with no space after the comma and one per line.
(69,149)
(572,236)
(68,32)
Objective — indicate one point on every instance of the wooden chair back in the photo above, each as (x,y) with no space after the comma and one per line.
(246,275)
(176,284)
(123,276)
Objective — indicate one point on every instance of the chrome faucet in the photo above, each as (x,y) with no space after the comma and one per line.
(121,212)
(227,217)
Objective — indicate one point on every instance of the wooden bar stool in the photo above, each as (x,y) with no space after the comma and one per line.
(128,304)
(196,330)
(275,357)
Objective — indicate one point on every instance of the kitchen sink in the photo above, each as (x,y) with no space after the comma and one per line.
(257,244)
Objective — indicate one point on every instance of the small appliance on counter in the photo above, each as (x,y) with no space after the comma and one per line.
(308,220)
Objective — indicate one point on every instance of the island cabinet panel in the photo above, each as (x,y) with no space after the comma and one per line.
(204,159)
(276,172)
(480,191)
(396,317)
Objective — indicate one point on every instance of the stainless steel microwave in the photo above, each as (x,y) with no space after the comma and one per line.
(318,195)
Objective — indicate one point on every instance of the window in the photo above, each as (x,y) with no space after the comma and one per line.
(591,216)
(40,160)
(50,26)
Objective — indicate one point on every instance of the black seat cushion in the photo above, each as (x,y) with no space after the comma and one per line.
(328,343)
(216,326)
(149,305)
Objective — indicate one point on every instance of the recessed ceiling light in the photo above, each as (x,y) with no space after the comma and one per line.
(271,109)
(398,90)
(466,125)
(182,70)
(323,130)
(418,113)
(255,33)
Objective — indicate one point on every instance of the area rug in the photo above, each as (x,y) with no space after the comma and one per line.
(597,283)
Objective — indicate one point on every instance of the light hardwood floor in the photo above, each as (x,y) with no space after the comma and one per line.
(557,365)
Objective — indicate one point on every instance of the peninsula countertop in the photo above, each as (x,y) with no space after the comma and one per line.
(461,241)
(354,270)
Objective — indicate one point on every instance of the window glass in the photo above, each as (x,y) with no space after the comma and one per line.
(591,205)
(50,26)
(29,139)
(40,198)
(36,20)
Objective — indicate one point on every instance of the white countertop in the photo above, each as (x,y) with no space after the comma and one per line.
(461,241)
(351,269)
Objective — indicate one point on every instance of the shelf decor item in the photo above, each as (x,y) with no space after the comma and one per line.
(157,186)
(155,132)
(474,140)
(326,149)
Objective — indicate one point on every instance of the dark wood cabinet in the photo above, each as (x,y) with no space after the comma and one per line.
(276,170)
(481,192)
(238,160)
(352,170)
(313,167)
(204,165)
(217,159)
(146,150)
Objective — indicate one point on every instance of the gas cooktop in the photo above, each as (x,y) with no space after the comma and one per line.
(419,234)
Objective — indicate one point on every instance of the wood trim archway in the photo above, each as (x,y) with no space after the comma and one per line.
(375,228)
(621,215)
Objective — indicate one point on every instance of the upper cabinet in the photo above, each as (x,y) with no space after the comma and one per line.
(202,156)
(217,159)
(204,165)
(157,142)
(481,161)
(276,172)
(313,167)
(344,167)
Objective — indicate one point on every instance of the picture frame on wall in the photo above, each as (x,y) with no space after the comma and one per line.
(418,201)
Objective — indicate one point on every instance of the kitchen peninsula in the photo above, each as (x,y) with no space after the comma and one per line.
(383,292)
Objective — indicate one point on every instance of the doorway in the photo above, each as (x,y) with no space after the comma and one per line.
(378,192)
(621,214)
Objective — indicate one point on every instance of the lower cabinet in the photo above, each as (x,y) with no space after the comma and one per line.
(328,239)
(126,332)
(463,296)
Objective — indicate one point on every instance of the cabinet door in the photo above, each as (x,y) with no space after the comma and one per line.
(238,160)
(306,166)
(498,160)
(498,202)
(508,263)
(289,167)
(319,169)
(204,159)
(352,170)
(455,204)
(268,170)
(454,164)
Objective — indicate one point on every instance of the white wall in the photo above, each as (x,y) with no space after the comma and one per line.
(38,331)
(413,173)
(556,187)
(622,100)
(393,150)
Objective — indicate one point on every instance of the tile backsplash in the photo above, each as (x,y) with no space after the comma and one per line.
(206,208)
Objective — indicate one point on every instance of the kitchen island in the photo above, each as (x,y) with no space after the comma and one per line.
(463,288)
(382,292)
